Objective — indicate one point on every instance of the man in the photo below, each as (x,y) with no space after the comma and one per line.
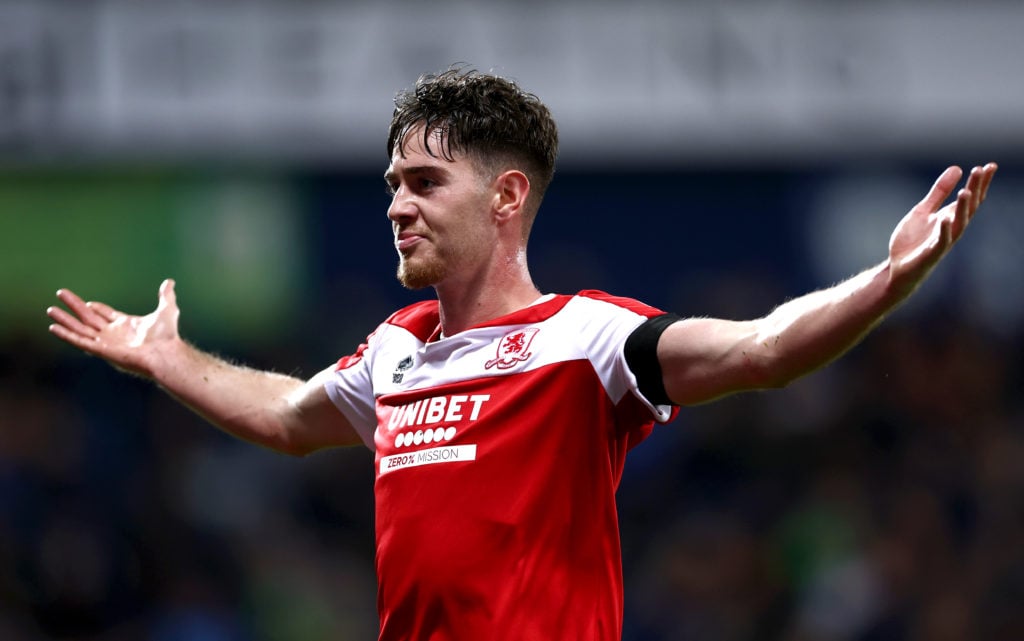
(499,416)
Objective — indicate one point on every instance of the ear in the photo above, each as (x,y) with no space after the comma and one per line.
(511,189)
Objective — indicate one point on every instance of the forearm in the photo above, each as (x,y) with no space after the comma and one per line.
(703,358)
(276,411)
(253,405)
(809,332)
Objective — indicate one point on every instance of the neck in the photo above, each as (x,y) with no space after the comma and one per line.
(468,303)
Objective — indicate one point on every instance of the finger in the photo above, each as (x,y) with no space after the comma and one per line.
(962,213)
(71,323)
(946,235)
(974,187)
(979,184)
(990,171)
(78,306)
(105,311)
(83,343)
(942,188)
(979,187)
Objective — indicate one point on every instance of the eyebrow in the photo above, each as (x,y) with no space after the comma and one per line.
(391,175)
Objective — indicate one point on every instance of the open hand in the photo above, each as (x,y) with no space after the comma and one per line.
(130,343)
(927,232)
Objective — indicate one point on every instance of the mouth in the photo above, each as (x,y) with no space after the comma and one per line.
(405,241)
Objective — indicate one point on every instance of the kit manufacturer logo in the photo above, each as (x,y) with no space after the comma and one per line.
(403,366)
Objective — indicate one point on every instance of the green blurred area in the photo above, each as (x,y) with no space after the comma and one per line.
(233,242)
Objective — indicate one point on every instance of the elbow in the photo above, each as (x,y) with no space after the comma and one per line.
(768,379)
(294,447)
(284,438)
(296,451)
(779,381)
(281,445)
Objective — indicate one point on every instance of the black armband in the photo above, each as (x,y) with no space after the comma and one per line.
(641,352)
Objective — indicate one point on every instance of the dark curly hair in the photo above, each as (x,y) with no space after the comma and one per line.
(484,116)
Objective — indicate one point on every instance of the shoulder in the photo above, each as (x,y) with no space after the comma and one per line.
(415,322)
(423,318)
(597,299)
(419,319)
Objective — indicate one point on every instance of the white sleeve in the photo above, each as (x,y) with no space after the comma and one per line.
(350,388)
(605,328)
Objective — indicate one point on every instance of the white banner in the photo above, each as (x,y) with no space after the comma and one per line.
(651,81)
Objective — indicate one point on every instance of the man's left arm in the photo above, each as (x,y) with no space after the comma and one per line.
(703,359)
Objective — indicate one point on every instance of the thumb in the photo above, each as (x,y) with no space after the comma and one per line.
(167,295)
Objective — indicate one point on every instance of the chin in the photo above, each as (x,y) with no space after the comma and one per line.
(413,285)
(418,276)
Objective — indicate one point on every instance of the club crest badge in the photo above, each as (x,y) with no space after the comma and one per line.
(513,348)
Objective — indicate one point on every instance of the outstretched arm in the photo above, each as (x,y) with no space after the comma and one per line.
(277,411)
(703,359)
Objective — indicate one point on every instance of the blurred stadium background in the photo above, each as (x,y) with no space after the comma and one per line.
(717,158)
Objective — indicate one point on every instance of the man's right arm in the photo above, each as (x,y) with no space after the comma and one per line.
(277,411)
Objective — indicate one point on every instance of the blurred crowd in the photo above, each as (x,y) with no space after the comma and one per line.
(880,499)
(128,518)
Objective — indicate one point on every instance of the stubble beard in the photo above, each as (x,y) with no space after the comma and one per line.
(432,267)
(420,274)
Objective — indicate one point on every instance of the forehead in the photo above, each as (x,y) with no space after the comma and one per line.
(413,142)
(412,151)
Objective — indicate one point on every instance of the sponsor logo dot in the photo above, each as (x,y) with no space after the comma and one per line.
(407,439)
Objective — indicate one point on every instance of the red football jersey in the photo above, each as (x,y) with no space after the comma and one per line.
(498,453)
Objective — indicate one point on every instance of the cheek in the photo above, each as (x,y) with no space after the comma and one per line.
(470,229)
(478,239)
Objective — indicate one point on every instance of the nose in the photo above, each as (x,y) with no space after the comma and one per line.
(402,208)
